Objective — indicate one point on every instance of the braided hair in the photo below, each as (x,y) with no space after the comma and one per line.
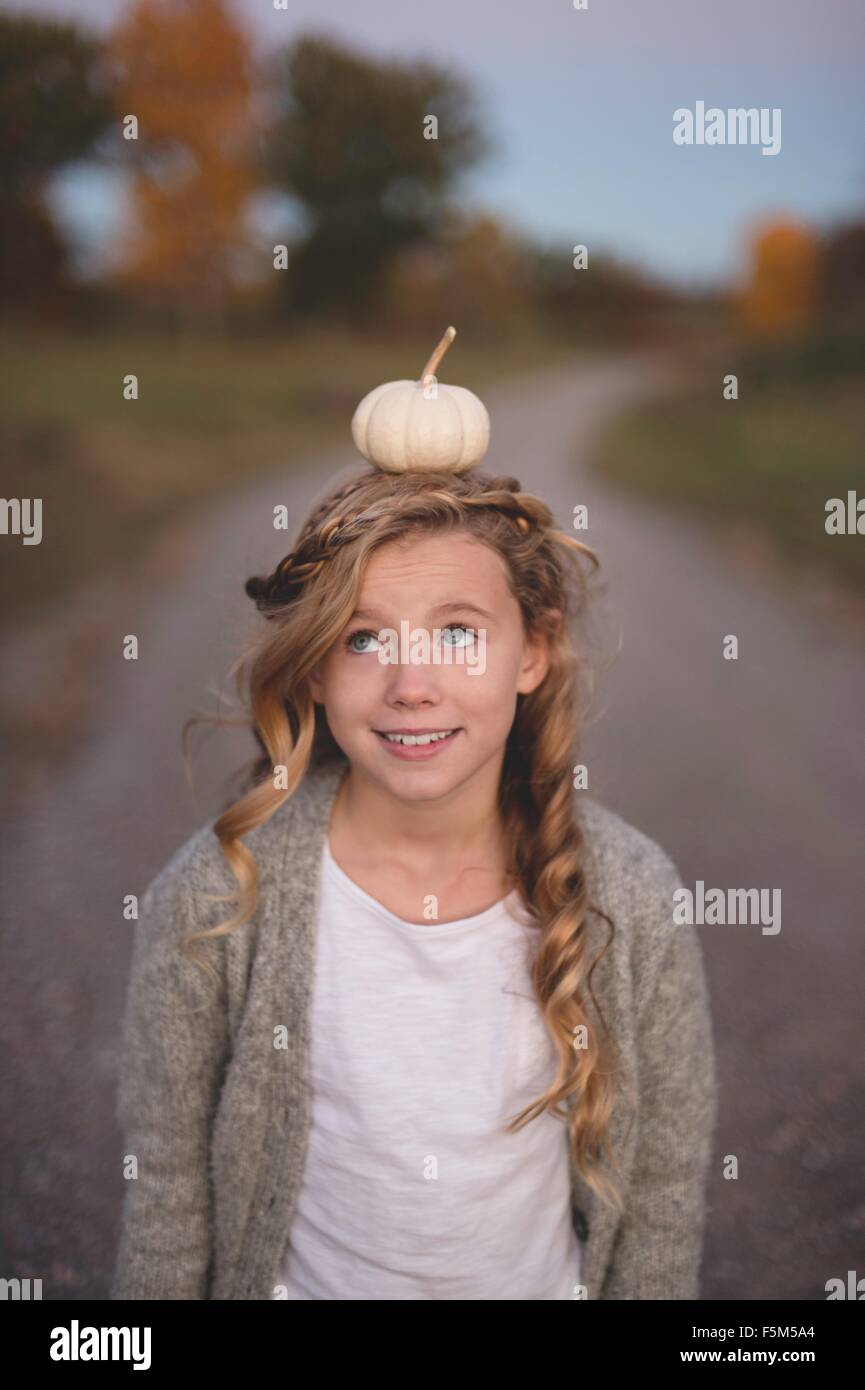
(333,524)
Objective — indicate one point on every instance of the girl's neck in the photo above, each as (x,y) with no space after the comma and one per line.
(463,830)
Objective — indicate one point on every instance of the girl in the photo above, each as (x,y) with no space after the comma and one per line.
(451,1046)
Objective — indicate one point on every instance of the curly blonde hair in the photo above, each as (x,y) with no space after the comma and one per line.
(308,600)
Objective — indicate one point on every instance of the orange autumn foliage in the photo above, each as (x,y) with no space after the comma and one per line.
(780,297)
(183,72)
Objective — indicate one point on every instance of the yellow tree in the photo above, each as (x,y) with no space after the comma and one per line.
(780,297)
(184,92)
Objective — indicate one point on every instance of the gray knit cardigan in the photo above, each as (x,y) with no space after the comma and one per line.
(218,1117)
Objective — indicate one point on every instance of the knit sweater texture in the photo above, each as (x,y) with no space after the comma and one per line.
(217,1116)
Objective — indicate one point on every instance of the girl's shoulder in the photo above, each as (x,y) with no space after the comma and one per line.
(623,857)
(199,865)
(632,879)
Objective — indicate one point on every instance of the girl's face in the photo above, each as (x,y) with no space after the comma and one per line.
(458,585)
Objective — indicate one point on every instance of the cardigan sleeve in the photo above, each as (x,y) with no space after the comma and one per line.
(659,1242)
(174,1050)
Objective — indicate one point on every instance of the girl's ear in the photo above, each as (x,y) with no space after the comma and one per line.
(314,678)
(536,660)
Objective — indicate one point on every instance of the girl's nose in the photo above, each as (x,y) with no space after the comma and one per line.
(413,682)
(412,674)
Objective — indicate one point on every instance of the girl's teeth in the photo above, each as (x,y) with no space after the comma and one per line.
(411,739)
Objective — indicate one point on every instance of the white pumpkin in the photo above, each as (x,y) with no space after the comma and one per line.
(422,425)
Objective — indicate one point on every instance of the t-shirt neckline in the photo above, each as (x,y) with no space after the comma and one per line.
(479,919)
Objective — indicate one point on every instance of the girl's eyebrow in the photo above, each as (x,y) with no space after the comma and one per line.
(370,615)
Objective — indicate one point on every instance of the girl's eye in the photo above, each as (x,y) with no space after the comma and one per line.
(351,637)
(471,635)
(470,632)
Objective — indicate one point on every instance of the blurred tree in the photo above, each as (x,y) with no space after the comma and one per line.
(843,253)
(53,107)
(183,71)
(349,142)
(609,301)
(780,298)
(476,271)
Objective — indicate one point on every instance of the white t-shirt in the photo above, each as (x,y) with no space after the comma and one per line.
(426,1039)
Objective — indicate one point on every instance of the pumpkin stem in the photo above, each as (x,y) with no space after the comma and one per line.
(431,366)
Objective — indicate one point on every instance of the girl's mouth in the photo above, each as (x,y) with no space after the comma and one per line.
(418,747)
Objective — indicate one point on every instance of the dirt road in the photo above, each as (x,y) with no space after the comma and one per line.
(749,772)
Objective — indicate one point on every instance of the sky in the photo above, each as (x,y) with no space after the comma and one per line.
(580,105)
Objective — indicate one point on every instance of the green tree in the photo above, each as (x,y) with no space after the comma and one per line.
(611,300)
(843,254)
(348,141)
(54,105)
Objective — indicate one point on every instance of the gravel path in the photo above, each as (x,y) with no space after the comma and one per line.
(750,773)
